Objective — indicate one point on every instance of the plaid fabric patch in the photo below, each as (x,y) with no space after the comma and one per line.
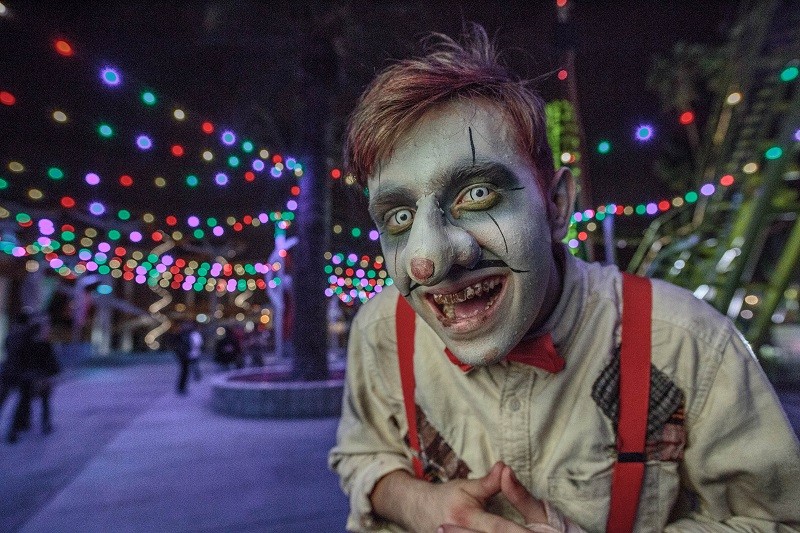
(440,463)
(666,399)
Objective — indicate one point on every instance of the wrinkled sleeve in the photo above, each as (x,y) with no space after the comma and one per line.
(369,443)
(742,459)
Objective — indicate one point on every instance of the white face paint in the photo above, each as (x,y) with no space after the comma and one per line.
(465,230)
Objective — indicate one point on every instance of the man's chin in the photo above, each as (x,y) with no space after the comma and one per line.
(476,355)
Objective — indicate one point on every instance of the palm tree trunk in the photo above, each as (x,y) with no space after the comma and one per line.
(310,333)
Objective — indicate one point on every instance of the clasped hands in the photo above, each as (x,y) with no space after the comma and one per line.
(458,506)
(470,515)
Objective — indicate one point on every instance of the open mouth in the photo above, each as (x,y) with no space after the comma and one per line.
(474,300)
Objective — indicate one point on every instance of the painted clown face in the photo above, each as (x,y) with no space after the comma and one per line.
(465,229)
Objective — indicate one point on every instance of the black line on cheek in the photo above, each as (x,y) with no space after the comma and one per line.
(514,189)
(472,145)
(498,229)
(492,263)
(396,248)
(413,285)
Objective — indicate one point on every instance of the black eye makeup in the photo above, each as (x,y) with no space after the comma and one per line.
(478,197)
(398,220)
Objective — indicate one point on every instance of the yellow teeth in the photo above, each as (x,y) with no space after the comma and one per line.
(472,291)
(449,301)
(449,310)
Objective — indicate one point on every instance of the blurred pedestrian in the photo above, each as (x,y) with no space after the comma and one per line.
(228,350)
(188,349)
(10,369)
(38,368)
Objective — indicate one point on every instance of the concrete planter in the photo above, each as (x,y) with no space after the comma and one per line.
(260,393)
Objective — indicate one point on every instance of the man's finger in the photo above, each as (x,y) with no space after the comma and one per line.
(531,509)
(486,522)
(487,486)
(450,528)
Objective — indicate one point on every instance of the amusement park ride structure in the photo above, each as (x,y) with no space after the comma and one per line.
(739,247)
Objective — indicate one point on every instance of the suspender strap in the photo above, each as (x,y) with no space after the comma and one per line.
(404,324)
(634,399)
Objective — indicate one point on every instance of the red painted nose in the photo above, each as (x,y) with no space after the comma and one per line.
(422,268)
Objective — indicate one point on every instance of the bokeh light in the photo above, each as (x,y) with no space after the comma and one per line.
(64,48)
(105,130)
(228,137)
(110,76)
(644,132)
(789,73)
(144,142)
(7,98)
(734,98)
(773,152)
(55,173)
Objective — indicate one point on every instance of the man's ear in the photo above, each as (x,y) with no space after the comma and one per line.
(562,195)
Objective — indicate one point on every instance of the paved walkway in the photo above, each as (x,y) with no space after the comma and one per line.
(129,455)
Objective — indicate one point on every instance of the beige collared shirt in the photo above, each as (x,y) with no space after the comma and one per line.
(741,467)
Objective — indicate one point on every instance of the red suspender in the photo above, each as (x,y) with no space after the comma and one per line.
(404,325)
(634,399)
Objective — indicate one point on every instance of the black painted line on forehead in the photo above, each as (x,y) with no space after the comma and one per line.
(471,145)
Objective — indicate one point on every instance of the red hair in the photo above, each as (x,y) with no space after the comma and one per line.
(402,93)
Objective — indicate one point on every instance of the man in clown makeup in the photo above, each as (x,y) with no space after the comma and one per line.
(502,384)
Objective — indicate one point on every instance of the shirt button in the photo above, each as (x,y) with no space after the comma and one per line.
(514,404)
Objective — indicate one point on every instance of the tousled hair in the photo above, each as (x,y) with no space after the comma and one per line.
(402,93)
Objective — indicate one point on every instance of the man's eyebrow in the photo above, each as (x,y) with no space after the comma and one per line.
(491,171)
(389,197)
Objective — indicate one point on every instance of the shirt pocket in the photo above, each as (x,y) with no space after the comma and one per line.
(586,500)
(582,500)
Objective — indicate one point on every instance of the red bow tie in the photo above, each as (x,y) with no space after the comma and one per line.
(538,352)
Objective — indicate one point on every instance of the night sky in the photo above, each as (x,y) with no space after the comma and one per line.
(237,64)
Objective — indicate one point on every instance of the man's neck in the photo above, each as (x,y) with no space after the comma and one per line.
(555,288)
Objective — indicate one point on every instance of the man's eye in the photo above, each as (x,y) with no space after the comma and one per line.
(399,220)
(476,194)
(476,198)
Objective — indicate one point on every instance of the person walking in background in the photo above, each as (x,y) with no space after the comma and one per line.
(10,369)
(228,350)
(38,367)
(188,348)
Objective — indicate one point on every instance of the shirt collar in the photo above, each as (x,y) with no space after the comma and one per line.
(534,351)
